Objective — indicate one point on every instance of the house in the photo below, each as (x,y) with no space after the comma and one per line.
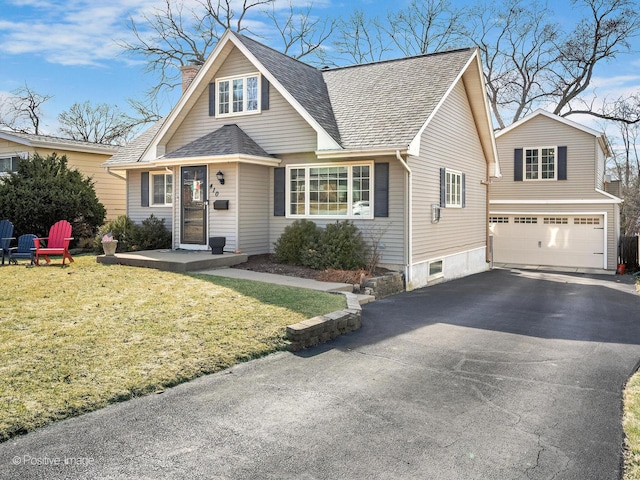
(87,157)
(550,207)
(404,148)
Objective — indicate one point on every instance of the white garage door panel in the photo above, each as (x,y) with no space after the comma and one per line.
(568,244)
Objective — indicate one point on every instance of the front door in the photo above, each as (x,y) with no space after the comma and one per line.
(193,211)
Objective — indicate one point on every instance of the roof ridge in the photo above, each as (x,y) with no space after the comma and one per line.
(19,134)
(276,51)
(399,59)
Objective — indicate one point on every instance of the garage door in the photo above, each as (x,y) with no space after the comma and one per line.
(557,240)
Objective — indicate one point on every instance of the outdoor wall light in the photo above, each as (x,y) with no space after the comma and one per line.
(220,177)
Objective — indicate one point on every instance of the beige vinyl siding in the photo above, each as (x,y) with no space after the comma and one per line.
(555,209)
(391,228)
(542,131)
(253,217)
(138,213)
(110,190)
(600,166)
(223,223)
(450,141)
(277,130)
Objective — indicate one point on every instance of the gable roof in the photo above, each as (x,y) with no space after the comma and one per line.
(48,141)
(227,140)
(377,106)
(390,103)
(602,139)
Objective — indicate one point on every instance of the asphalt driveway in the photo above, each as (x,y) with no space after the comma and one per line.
(502,375)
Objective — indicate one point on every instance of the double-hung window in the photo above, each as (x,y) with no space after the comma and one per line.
(540,163)
(162,189)
(8,164)
(237,95)
(453,183)
(330,190)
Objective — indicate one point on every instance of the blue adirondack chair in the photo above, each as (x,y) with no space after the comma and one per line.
(6,235)
(25,249)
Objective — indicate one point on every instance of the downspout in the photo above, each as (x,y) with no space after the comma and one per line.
(409,228)
(489,249)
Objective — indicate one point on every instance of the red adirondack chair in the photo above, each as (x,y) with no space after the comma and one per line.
(57,243)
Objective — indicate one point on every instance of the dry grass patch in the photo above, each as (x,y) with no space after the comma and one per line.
(76,339)
(631,425)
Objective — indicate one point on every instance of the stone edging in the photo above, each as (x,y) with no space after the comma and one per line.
(323,328)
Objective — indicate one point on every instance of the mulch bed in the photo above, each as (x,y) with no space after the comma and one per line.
(265,263)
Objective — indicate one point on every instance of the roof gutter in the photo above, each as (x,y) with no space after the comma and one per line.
(358,153)
(115,174)
(409,222)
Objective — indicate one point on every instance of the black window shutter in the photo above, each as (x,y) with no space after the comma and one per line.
(212,99)
(464,190)
(381,190)
(517,165)
(279,191)
(562,163)
(264,94)
(443,187)
(14,163)
(144,189)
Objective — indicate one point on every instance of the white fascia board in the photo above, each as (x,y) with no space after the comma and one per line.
(552,116)
(608,195)
(555,202)
(253,159)
(325,141)
(345,154)
(12,138)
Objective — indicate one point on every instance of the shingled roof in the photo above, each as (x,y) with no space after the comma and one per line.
(302,81)
(385,104)
(132,152)
(31,139)
(227,140)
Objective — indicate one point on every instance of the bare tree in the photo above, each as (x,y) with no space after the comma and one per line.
(101,123)
(22,111)
(300,32)
(359,39)
(426,26)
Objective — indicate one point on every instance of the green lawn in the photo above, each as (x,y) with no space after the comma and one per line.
(75,339)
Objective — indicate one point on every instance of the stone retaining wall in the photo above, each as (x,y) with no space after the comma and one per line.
(385,286)
(323,328)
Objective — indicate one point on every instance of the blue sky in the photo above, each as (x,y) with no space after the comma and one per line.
(68,49)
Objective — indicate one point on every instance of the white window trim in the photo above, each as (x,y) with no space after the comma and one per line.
(539,179)
(349,215)
(163,173)
(448,171)
(244,95)
(435,275)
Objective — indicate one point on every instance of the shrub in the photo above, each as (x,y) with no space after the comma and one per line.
(340,246)
(153,234)
(45,190)
(123,229)
(295,240)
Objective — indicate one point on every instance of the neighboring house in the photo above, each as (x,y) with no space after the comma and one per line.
(259,140)
(85,156)
(551,207)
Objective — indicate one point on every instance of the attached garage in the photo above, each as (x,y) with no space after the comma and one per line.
(550,239)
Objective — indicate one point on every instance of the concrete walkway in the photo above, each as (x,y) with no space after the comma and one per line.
(278,279)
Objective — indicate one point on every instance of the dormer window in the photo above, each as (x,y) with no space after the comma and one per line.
(237,95)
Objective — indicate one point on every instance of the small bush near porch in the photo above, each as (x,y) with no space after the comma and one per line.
(75,339)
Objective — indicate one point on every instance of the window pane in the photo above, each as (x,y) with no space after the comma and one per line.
(5,164)
(531,164)
(328,190)
(158,190)
(223,97)
(238,93)
(548,163)
(360,191)
(252,94)
(296,195)
(169,189)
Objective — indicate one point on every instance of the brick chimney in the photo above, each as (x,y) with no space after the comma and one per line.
(188,74)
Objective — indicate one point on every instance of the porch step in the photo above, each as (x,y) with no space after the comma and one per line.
(174,260)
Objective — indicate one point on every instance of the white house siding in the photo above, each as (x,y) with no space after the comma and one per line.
(392,228)
(553,210)
(278,130)
(110,190)
(543,131)
(135,210)
(253,214)
(459,238)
